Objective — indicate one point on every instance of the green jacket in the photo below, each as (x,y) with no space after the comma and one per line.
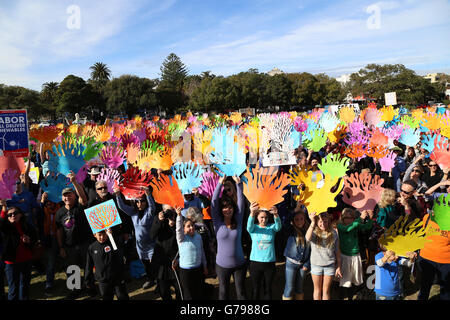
(348,236)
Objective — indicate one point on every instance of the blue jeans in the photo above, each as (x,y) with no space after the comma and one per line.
(19,277)
(294,276)
(379,297)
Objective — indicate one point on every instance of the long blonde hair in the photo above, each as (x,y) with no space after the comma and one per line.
(329,234)
(387,198)
(300,237)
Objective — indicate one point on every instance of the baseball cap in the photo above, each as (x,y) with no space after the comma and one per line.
(67,190)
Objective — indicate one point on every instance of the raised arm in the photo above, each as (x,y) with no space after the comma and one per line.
(309,232)
(121,204)
(179,227)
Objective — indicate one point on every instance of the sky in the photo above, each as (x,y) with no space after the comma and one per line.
(46,40)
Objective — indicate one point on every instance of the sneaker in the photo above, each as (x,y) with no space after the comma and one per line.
(148,284)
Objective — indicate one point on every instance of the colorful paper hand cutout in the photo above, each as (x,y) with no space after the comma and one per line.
(318,195)
(54,185)
(265,186)
(441,212)
(403,238)
(334,166)
(8,183)
(111,176)
(362,191)
(112,156)
(166,191)
(441,152)
(133,181)
(188,175)
(388,162)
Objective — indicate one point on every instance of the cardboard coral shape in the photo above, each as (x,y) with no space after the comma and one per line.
(8,183)
(10,162)
(166,191)
(441,212)
(265,186)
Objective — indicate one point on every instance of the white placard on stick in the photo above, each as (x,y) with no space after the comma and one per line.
(390,99)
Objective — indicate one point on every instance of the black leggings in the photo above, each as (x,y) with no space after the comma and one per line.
(192,283)
(262,273)
(164,289)
(107,290)
(224,275)
(149,267)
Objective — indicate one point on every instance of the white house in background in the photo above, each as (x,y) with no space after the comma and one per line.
(274,71)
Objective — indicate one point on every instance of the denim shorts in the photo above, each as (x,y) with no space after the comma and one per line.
(329,270)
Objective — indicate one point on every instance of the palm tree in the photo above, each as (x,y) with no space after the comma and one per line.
(49,97)
(100,74)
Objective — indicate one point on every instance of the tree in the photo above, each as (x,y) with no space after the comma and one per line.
(279,90)
(376,80)
(329,89)
(173,73)
(48,97)
(16,97)
(100,74)
(130,95)
(170,89)
(74,95)
(304,86)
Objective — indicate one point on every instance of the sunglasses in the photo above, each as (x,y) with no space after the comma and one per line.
(14,213)
(406,192)
(417,171)
(102,188)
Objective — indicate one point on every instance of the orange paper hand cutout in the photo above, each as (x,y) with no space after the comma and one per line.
(441,152)
(45,134)
(376,151)
(355,151)
(265,186)
(166,191)
(379,138)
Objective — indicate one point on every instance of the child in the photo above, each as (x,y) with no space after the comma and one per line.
(109,268)
(192,258)
(351,265)
(325,254)
(297,252)
(387,281)
(388,212)
(262,257)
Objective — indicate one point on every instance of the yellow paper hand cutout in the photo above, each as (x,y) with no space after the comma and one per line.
(402,238)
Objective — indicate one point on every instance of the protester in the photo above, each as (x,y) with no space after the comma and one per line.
(166,249)
(192,260)
(109,267)
(19,238)
(351,265)
(387,281)
(325,254)
(142,214)
(297,253)
(73,232)
(227,215)
(262,257)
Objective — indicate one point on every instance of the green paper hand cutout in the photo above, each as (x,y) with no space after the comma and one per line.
(334,166)
(411,122)
(319,140)
(441,210)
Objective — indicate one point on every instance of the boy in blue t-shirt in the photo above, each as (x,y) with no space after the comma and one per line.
(387,282)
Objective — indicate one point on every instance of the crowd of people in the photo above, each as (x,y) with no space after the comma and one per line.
(226,235)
